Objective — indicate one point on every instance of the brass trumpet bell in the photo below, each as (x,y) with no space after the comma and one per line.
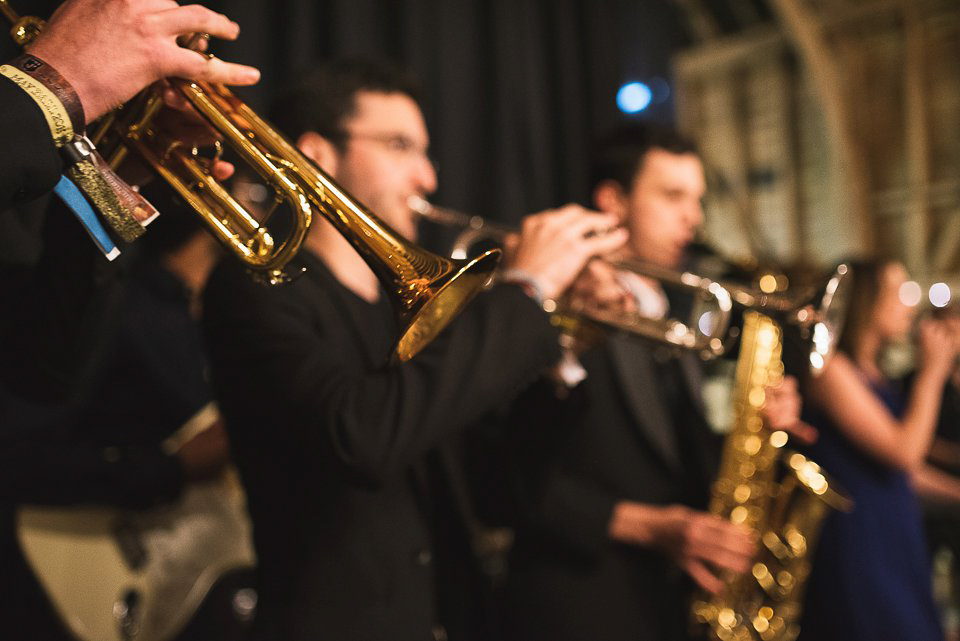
(702,331)
(427,290)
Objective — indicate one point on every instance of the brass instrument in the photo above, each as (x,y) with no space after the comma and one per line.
(427,290)
(702,332)
(473,229)
(781,495)
(815,313)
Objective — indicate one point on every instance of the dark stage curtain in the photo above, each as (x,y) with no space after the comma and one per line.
(514,89)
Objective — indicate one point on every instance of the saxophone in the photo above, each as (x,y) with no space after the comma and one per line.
(781,495)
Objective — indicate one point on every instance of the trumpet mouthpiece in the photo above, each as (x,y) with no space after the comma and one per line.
(419,205)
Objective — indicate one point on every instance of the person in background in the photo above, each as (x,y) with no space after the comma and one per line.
(871,573)
(614,473)
(123,443)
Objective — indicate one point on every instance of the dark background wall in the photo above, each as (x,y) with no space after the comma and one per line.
(514,89)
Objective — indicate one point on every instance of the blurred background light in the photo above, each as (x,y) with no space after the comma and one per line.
(634,97)
(939,294)
(910,293)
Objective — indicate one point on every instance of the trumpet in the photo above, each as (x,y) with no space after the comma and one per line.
(427,290)
(702,331)
(814,313)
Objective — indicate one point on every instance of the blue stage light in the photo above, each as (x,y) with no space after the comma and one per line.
(634,97)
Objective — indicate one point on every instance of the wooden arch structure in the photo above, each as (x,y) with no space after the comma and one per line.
(830,127)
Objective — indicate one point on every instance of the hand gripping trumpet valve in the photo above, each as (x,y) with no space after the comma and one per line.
(702,331)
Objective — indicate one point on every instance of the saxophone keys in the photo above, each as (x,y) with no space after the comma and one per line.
(742,493)
(727,618)
(752,444)
(778,439)
(763,576)
(739,515)
(757,397)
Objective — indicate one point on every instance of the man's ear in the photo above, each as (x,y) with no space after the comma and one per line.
(320,150)
(608,197)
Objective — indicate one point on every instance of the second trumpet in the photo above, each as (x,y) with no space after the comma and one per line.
(703,329)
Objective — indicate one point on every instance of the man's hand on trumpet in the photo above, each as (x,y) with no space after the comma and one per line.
(600,287)
(179,121)
(553,246)
(108,50)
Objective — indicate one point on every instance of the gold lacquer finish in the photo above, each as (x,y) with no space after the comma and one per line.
(23,28)
(781,495)
(427,290)
(701,332)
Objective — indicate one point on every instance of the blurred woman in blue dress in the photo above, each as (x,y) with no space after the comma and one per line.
(871,578)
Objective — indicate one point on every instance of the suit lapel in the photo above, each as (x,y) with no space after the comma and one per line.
(420,482)
(635,373)
(693,377)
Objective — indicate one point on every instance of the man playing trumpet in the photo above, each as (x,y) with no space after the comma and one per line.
(352,490)
(613,532)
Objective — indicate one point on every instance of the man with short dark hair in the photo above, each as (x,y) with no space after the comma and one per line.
(615,485)
(360,523)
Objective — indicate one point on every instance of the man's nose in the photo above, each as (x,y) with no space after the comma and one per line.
(424,175)
(694,214)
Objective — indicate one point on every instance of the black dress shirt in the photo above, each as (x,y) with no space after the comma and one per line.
(343,456)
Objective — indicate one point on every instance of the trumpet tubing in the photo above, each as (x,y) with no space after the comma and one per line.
(701,333)
(427,290)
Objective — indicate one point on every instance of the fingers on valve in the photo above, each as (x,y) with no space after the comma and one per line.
(196,18)
(197,66)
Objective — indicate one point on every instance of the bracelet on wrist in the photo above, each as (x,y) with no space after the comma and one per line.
(531,286)
(51,92)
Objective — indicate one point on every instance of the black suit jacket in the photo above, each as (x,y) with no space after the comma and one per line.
(340,454)
(614,438)
(52,293)
(29,163)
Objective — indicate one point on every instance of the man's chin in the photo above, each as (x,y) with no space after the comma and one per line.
(409,232)
(669,261)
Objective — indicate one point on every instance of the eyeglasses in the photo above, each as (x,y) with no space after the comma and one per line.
(397,144)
